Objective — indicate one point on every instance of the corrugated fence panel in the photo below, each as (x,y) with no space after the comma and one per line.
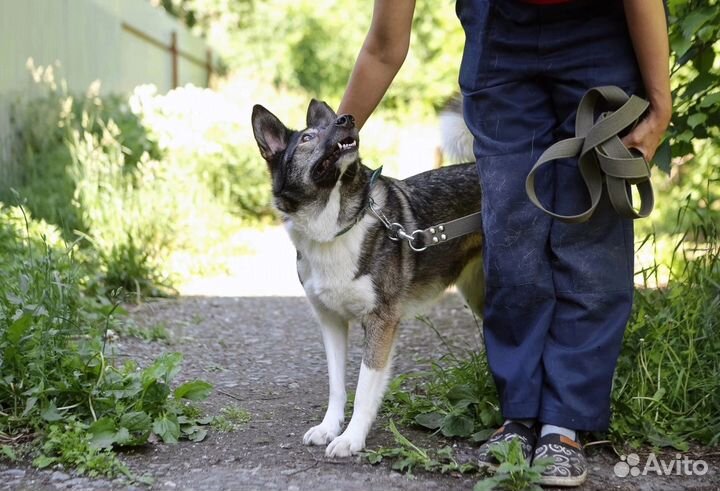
(122,43)
(152,64)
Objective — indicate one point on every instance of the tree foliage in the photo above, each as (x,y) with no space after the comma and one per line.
(311,46)
(694,31)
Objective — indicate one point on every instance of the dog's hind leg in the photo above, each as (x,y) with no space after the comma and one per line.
(471,284)
(380,336)
(334,334)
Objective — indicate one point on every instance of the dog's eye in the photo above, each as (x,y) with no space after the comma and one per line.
(307,137)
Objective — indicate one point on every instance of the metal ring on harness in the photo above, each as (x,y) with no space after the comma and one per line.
(412,238)
(397,233)
(395,230)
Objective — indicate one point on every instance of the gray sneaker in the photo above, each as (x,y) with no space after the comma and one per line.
(568,467)
(506,433)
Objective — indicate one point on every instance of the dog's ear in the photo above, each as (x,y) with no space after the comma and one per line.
(319,114)
(271,135)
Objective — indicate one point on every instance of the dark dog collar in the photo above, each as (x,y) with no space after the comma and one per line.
(368,199)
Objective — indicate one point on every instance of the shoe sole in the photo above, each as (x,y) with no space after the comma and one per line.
(563,481)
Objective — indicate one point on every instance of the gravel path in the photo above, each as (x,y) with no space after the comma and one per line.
(264,354)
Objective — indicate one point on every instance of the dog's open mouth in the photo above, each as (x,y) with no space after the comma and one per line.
(326,169)
(343,146)
(347,144)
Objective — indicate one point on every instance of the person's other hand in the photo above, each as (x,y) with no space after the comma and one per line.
(648,134)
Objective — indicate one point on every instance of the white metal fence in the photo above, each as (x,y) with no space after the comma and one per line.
(122,43)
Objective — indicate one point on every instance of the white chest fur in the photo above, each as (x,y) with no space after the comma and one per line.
(328,269)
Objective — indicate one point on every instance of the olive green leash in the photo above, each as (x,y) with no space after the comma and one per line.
(602,157)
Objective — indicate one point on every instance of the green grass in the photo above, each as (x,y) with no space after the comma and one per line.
(665,391)
(230,419)
(514,473)
(407,457)
(60,382)
(156,332)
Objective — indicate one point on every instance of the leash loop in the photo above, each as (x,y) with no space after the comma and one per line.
(603,160)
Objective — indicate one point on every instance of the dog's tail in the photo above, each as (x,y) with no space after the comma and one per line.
(456,141)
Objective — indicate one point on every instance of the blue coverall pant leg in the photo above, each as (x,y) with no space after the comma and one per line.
(558,296)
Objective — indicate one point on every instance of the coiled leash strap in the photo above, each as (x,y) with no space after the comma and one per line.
(602,155)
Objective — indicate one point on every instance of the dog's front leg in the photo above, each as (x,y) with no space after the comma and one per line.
(380,336)
(334,334)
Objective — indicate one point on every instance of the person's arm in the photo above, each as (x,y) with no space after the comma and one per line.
(381,56)
(648,31)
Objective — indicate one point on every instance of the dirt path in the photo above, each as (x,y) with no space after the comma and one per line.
(264,354)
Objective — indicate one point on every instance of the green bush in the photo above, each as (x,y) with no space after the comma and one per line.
(297,45)
(665,389)
(155,183)
(57,378)
(205,133)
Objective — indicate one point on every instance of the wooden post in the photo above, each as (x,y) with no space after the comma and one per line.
(174,56)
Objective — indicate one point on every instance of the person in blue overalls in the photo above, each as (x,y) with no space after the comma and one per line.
(558,295)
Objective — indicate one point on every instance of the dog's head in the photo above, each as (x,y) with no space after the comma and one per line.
(305,165)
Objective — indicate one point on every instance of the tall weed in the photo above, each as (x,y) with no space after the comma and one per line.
(58,378)
(666,385)
(155,183)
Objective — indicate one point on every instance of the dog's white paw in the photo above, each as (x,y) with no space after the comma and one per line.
(321,434)
(344,446)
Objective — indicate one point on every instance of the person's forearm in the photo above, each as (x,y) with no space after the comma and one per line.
(380,58)
(648,31)
(370,78)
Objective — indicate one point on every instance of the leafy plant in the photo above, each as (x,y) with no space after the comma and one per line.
(694,30)
(67,443)
(514,473)
(57,378)
(408,457)
(457,397)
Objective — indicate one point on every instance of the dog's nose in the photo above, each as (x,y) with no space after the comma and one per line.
(345,121)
